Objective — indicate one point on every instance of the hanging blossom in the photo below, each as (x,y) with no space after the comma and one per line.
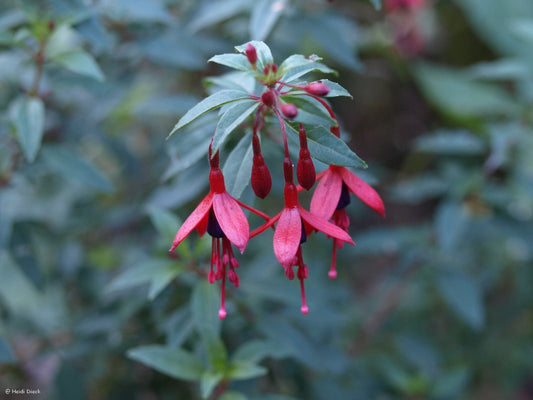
(293,222)
(221,216)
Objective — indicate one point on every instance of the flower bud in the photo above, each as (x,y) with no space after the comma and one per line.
(289,110)
(251,54)
(267,98)
(274,68)
(305,169)
(51,25)
(261,180)
(317,88)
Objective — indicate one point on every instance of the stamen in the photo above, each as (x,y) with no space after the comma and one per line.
(304,307)
(332,270)
(222,312)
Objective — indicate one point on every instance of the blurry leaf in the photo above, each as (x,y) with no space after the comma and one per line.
(64,39)
(165,222)
(264,16)
(451,384)
(393,374)
(210,103)
(264,55)
(328,148)
(502,69)
(72,166)
(450,224)
(420,188)
(80,62)
(236,61)
(238,166)
(176,363)
(6,354)
(295,61)
(376,4)
(216,351)
(159,273)
(28,118)
(209,381)
(464,297)
(274,397)
(450,142)
(523,28)
(214,12)
(231,119)
(420,353)
(242,370)
(256,350)
(69,384)
(136,10)
(232,395)
(453,92)
(204,307)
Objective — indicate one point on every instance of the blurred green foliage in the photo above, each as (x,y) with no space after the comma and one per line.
(434,302)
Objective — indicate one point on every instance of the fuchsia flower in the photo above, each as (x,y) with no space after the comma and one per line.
(331,197)
(290,232)
(221,216)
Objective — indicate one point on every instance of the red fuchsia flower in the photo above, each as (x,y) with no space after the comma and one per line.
(290,232)
(221,216)
(331,197)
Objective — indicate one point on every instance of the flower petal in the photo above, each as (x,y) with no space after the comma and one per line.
(231,219)
(193,220)
(327,194)
(324,226)
(287,236)
(364,191)
(265,226)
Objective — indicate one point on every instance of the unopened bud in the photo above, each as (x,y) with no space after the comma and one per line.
(261,180)
(289,110)
(251,54)
(266,70)
(267,98)
(305,169)
(317,88)
(274,68)
(51,25)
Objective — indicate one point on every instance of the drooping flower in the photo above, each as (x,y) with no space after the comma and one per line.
(221,216)
(290,232)
(331,197)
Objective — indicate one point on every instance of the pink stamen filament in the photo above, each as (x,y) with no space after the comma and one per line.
(333,269)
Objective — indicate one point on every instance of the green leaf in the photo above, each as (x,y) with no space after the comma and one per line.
(205,304)
(28,119)
(376,4)
(264,16)
(298,71)
(238,166)
(215,12)
(458,142)
(264,55)
(165,222)
(209,381)
(176,363)
(256,350)
(310,111)
(242,370)
(80,62)
(216,351)
(328,148)
(6,354)
(235,61)
(72,166)
(336,90)
(297,60)
(451,384)
(231,119)
(232,395)
(456,94)
(464,296)
(210,103)
(159,273)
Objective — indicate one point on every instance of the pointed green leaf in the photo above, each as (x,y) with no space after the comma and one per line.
(328,148)
(72,166)
(28,119)
(464,296)
(176,363)
(296,72)
(209,381)
(297,60)
(216,351)
(242,370)
(231,119)
(210,103)
(238,166)
(235,61)
(256,350)
(264,16)
(336,90)
(80,62)
(205,304)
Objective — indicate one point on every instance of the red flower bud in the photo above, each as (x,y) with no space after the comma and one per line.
(289,110)
(261,180)
(317,88)
(274,68)
(267,98)
(305,169)
(266,70)
(251,54)
(51,25)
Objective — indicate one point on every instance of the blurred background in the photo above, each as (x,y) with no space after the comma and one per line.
(434,302)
